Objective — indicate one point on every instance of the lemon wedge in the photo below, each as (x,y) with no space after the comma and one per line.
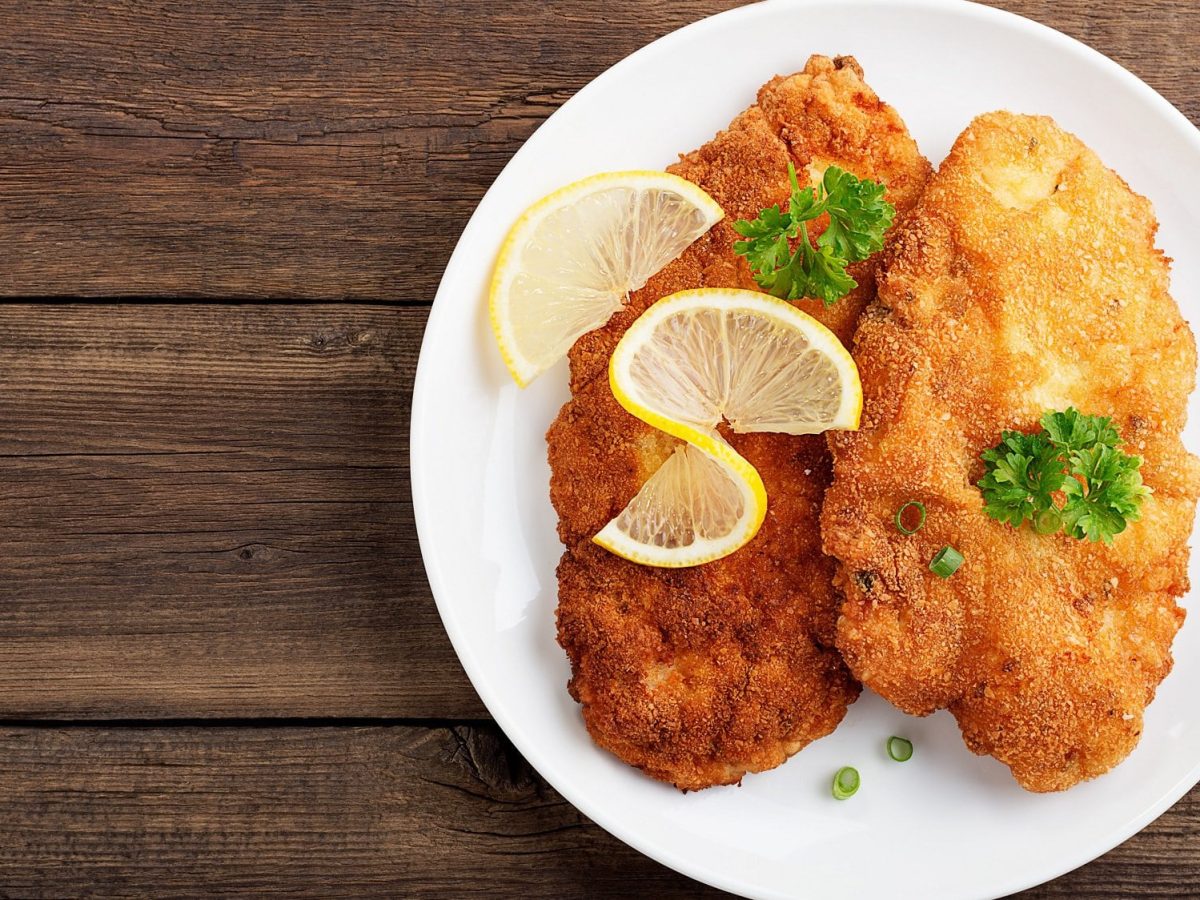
(572,259)
(700,357)
(700,505)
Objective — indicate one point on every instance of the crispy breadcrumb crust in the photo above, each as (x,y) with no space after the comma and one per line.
(1026,279)
(698,676)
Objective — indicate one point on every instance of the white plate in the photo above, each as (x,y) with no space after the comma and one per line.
(946,824)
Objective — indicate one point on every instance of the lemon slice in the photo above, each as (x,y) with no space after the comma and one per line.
(699,357)
(573,258)
(700,505)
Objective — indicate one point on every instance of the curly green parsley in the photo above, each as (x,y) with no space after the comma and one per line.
(1075,456)
(858,217)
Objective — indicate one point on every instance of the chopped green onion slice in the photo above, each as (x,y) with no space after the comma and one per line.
(1047,521)
(946,562)
(900,749)
(845,783)
(911,504)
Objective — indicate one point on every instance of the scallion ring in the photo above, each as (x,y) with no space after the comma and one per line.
(845,783)
(911,504)
(945,562)
(900,749)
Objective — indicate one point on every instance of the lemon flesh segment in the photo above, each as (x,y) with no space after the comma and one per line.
(695,508)
(699,357)
(573,258)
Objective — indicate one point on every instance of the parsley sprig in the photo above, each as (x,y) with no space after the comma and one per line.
(1073,455)
(858,217)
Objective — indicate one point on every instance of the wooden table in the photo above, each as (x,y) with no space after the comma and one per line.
(220,664)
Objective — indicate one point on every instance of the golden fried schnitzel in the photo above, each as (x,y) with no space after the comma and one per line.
(700,675)
(1025,280)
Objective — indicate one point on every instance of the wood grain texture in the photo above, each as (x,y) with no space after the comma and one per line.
(356,812)
(330,150)
(1157,40)
(276,149)
(205,511)
(347,812)
(199,517)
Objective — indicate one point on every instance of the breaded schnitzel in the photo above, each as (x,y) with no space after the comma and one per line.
(700,675)
(1026,280)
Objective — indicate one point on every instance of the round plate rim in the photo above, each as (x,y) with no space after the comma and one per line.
(423,501)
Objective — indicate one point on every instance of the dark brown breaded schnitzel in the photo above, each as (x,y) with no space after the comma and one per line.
(1025,280)
(700,675)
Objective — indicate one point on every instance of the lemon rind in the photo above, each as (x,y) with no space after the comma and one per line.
(615,541)
(849,413)
(521,369)
(848,416)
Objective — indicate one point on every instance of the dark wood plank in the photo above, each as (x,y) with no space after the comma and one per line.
(327,150)
(261,148)
(399,811)
(199,516)
(1157,40)
(205,511)
(289,150)
(1163,860)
